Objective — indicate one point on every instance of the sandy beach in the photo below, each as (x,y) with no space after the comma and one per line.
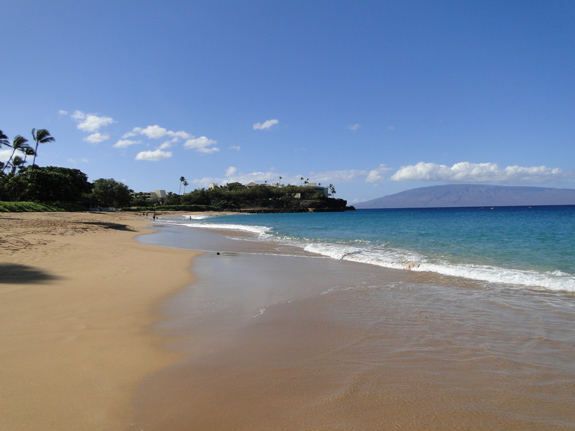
(102,331)
(78,304)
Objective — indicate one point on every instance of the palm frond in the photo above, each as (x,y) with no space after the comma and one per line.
(42,136)
(4,139)
(19,142)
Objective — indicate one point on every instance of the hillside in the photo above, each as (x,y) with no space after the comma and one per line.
(465,195)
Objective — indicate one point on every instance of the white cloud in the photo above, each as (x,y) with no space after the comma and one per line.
(466,172)
(96,138)
(157,132)
(5,155)
(154,156)
(232,175)
(152,132)
(376,175)
(201,144)
(124,143)
(234,147)
(344,176)
(91,122)
(78,115)
(325,178)
(354,127)
(129,134)
(165,145)
(62,112)
(265,125)
(75,162)
(179,135)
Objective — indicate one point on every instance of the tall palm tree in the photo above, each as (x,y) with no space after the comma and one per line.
(17,144)
(41,136)
(182,179)
(185,185)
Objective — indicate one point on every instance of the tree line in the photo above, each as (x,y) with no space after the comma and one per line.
(63,187)
(236,196)
(70,189)
(20,144)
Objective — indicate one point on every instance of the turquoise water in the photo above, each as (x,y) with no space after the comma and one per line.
(517,246)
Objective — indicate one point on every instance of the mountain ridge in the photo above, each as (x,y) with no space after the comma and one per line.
(472,195)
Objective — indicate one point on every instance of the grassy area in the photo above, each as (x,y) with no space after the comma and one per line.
(20,207)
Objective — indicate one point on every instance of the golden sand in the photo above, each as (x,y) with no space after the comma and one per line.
(78,295)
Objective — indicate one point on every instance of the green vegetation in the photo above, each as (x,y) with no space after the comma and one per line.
(36,207)
(111,193)
(258,198)
(45,185)
(52,188)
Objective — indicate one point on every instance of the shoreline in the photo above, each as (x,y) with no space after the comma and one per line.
(80,298)
(92,337)
(277,341)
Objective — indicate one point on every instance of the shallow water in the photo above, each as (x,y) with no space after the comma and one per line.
(523,247)
(281,342)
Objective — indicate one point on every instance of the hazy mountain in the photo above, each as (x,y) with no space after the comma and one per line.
(464,195)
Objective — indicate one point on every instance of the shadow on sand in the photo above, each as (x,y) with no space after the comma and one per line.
(15,273)
(115,226)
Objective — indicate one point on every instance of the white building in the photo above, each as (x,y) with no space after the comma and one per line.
(154,196)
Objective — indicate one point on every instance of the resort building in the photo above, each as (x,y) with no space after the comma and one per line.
(156,195)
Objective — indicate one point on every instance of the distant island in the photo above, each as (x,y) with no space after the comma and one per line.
(467,195)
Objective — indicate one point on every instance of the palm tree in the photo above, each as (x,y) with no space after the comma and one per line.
(4,139)
(17,162)
(185,185)
(41,136)
(28,151)
(332,189)
(182,179)
(17,144)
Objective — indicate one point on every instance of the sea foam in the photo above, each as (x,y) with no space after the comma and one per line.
(408,260)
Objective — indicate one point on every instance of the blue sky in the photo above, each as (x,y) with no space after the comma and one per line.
(374,97)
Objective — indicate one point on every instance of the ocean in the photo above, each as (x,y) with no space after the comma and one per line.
(372,319)
(519,247)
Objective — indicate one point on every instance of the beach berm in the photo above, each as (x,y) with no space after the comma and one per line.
(78,297)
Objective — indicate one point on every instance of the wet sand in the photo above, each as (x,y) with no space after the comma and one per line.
(302,343)
(78,304)
(97,333)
